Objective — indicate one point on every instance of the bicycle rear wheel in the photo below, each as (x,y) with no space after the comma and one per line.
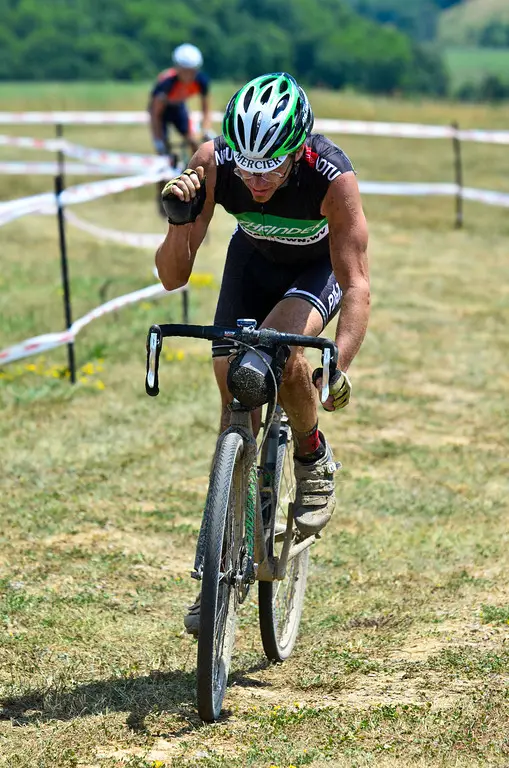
(281,602)
(223,514)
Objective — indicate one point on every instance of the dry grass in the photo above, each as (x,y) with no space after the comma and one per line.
(402,658)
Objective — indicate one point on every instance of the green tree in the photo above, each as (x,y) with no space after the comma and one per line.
(131,39)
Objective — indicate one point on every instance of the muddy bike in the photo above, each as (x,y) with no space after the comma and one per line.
(247,531)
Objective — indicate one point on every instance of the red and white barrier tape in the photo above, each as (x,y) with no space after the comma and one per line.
(152,241)
(73,118)
(27,142)
(410,131)
(149,241)
(39,344)
(486,196)
(359,127)
(368,128)
(45,203)
(88,118)
(51,168)
(117,159)
(490,197)
(81,193)
(14,209)
(127,161)
(406,188)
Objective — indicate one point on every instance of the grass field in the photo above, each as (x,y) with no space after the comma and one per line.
(403,654)
(471,65)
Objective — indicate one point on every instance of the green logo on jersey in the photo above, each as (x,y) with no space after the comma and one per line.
(297,231)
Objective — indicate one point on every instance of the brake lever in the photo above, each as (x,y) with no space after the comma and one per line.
(325,376)
(154,345)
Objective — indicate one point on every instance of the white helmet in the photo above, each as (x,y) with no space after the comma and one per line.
(187,56)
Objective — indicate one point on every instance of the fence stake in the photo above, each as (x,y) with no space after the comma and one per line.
(185,306)
(458,171)
(64,267)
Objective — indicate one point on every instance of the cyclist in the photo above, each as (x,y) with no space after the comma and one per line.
(297,254)
(169,94)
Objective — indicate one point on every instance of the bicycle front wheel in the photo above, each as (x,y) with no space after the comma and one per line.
(223,514)
(281,602)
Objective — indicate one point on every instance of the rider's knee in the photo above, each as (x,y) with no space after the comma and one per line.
(221,373)
(294,365)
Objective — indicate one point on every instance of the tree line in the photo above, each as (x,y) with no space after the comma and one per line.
(326,43)
(417,18)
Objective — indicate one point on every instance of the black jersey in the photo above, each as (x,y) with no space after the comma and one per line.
(289,227)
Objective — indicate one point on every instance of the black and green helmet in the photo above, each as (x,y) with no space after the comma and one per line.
(266,120)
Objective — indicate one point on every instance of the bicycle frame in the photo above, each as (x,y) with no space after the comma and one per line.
(266,566)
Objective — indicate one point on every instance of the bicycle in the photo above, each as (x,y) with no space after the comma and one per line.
(247,530)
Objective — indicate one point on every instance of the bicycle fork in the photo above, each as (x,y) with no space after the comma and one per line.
(240,423)
(259,561)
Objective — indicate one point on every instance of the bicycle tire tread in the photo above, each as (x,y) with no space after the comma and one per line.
(216,512)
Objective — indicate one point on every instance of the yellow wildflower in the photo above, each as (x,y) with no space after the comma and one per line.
(201,279)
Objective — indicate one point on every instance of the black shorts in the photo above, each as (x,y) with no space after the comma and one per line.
(252,286)
(177,115)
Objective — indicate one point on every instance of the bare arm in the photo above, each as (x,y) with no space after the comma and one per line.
(348,234)
(157,107)
(205,106)
(176,254)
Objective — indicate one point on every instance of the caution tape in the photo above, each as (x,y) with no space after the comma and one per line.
(14,209)
(38,344)
(149,241)
(27,142)
(81,193)
(101,157)
(359,127)
(368,128)
(87,118)
(118,159)
(51,168)
(406,188)
(396,188)
(489,197)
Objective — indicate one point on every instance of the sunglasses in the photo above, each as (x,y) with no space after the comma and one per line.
(270,176)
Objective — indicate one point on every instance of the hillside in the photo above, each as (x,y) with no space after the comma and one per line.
(418,19)
(476,22)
